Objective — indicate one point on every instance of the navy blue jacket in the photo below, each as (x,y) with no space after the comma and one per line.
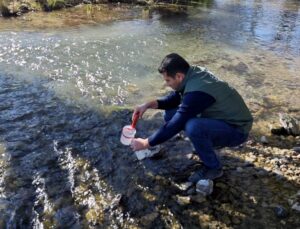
(192,104)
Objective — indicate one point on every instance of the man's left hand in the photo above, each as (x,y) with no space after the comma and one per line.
(139,144)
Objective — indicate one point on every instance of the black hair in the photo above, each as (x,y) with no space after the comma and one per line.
(172,64)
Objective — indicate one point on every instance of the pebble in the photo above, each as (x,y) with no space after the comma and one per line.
(185,186)
(239,169)
(264,140)
(296,206)
(280,212)
(189,156)
(199,198)
(250,159)
(148,219)
(278,172)
(221,185)
(116,201)
(183,200)
(191,191)
(297,149)
(261,173)
(236,221)
(205,187)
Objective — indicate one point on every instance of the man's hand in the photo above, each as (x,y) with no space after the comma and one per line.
(139,144)
(140,110)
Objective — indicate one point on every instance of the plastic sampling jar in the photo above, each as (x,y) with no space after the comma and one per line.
(127,135)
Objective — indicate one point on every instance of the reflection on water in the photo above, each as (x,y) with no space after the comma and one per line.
(106,64)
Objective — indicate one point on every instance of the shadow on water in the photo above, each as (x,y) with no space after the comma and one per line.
(62,166)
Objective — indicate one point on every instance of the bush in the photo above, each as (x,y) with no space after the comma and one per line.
(4,9)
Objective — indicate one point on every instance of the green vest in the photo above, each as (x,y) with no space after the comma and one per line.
(229,105)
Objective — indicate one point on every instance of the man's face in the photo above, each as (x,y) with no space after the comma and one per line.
(175,82)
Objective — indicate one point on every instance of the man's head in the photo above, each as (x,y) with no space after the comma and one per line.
(173,68)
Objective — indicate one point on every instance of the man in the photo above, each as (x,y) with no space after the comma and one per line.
(211,113)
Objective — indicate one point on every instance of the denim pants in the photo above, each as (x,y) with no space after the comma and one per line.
(207,134)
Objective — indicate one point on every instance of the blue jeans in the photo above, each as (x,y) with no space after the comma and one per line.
(207,134)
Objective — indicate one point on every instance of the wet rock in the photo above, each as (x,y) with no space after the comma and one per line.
(66,217)
(250,159)
(198,198)
(296,206)
(185,186)
(116,201)
(240,68)
(190,156)
(149,218)
(239,169)
(205,187)
(221,185)
(94,216)
(296,149)
(264,140)
(226,220)
(183,200)
(278,172)
(191,191)
(4,204)
(280,212)
(24,8)
(236,221)
(290,124)
(262,173)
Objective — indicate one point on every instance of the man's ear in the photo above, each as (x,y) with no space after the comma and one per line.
(180,75)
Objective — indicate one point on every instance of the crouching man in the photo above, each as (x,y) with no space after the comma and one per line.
(211,113)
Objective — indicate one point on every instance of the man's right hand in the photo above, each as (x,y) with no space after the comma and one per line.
(140,110)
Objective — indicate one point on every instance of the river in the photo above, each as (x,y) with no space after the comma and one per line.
(64,79)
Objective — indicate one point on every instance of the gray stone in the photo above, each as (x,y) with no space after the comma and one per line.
(191,191)
(290,124)
(296,206)
(296,149)
(148,219)
(239,169)
(280,212)
(205,187)
(199,198)
(264,140)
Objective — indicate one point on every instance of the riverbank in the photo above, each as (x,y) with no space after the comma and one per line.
(83,14)
(14,8)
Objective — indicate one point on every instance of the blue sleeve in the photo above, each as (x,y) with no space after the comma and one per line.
(193,103)
(170,101)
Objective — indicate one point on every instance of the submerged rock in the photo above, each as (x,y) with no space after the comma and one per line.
(296,149)
(296,206)
(185,186)
(198,198)
(183,200)
(149,218)
(280,212)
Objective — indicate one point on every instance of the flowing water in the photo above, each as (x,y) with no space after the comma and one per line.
(61,162)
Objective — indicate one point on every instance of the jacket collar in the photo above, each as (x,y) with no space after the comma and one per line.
(185,80)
